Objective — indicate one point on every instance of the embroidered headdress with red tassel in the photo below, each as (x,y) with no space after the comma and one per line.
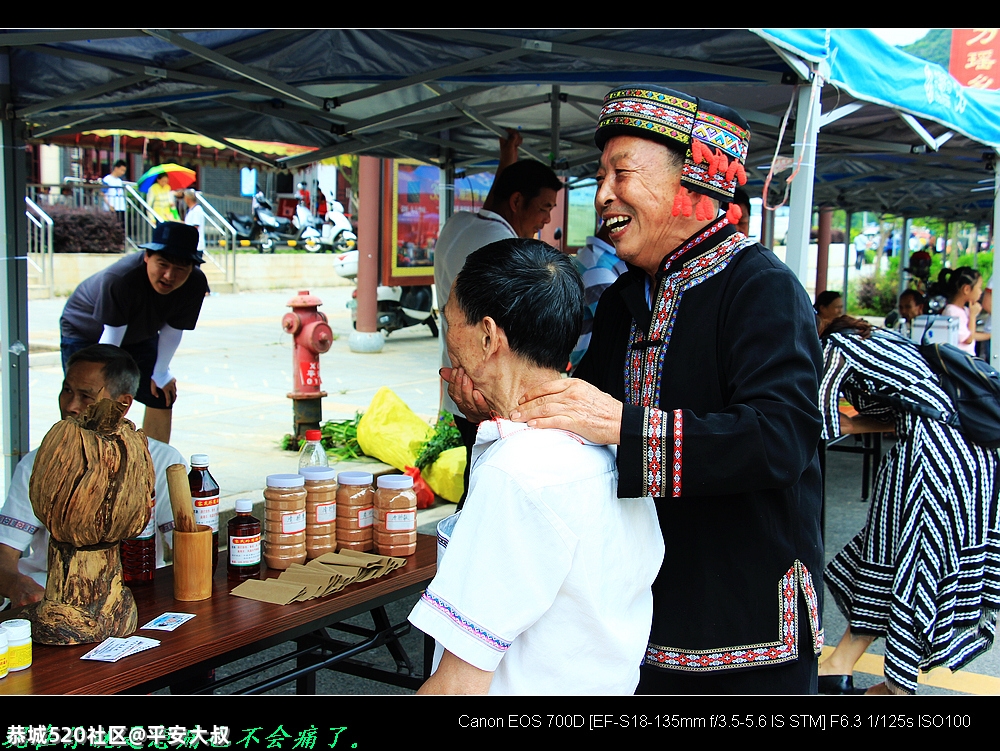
(714,139)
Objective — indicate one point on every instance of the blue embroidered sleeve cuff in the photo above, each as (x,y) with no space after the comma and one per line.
(16,533)
(460,635)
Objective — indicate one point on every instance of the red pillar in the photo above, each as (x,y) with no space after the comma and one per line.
(823,243)
(367,338)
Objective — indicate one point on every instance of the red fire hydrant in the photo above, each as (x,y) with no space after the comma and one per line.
(313,337)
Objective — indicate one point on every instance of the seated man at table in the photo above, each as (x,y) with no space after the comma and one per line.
(545,584)
(101,371)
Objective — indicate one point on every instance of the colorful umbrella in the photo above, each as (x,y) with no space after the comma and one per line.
(180,177)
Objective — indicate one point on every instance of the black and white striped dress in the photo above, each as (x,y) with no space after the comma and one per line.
(925,571)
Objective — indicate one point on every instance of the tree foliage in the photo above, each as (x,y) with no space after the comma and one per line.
(935,47)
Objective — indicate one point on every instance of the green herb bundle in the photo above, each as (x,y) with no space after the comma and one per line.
(446,436)
(340,439)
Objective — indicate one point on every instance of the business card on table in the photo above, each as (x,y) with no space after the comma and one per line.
(168,621)
(113,648)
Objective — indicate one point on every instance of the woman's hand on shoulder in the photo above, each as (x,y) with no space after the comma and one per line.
(574,405)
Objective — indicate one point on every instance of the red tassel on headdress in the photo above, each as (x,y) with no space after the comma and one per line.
(713,161)
(703,210)
(734,213)
(736,170)
(722,164)
(699,152)
(682,203)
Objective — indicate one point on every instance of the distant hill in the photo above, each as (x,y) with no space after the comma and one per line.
(934,47)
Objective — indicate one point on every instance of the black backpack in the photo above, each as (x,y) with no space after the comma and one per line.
(974,388)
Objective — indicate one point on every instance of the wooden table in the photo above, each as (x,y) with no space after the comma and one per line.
(224,629)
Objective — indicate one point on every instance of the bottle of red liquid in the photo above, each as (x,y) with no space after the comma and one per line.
(139,553)
(244,543)
(205,495)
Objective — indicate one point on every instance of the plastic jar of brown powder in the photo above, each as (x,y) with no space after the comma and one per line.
(284,521)
(395,516)
(321,510)
(355,511)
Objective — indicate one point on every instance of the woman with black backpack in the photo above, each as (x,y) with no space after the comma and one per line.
(925,571)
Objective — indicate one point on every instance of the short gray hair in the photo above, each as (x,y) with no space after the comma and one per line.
(121,374)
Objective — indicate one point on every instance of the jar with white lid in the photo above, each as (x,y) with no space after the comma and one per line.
(284,520)
(355,511)
(395,516)
(321,510)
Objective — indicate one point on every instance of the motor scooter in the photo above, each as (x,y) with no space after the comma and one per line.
(338,233)
(261,228)
(398,307)
(309,228)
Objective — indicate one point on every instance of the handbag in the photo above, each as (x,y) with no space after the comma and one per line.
(974,388)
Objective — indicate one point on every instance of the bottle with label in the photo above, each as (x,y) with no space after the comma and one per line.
(284,521)
(205,496)
(139,553)
(244,543)
(395,516)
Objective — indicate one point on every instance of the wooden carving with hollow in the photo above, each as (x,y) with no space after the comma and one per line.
(91,486)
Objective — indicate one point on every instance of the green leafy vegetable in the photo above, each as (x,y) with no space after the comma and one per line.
(340,439)
(446,436)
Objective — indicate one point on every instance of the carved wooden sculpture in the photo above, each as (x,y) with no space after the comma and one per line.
(91,487)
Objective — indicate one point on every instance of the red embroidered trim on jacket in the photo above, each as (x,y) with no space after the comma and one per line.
(678,445)
(647,349)
(655,431)
(783,649)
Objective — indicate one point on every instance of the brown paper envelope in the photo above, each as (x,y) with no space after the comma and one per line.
(365,557)
(395,563)
(383,564)
(300,571)
(338,576)
(336,585)
(350,558)
(311,579)
(269,590)
(312,590)
(351,573)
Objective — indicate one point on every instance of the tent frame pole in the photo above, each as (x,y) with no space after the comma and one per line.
(800,206)
(995,335)
(13,283)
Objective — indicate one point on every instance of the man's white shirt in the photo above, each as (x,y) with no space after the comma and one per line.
(546,578)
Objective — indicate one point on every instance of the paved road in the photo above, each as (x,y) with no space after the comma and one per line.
(234,372)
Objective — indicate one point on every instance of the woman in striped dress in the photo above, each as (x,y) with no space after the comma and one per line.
(925,571)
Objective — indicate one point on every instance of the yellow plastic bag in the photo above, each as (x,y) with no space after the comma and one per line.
(393,433)
(445,475)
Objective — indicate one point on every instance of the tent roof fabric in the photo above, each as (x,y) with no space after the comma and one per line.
(442,96)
